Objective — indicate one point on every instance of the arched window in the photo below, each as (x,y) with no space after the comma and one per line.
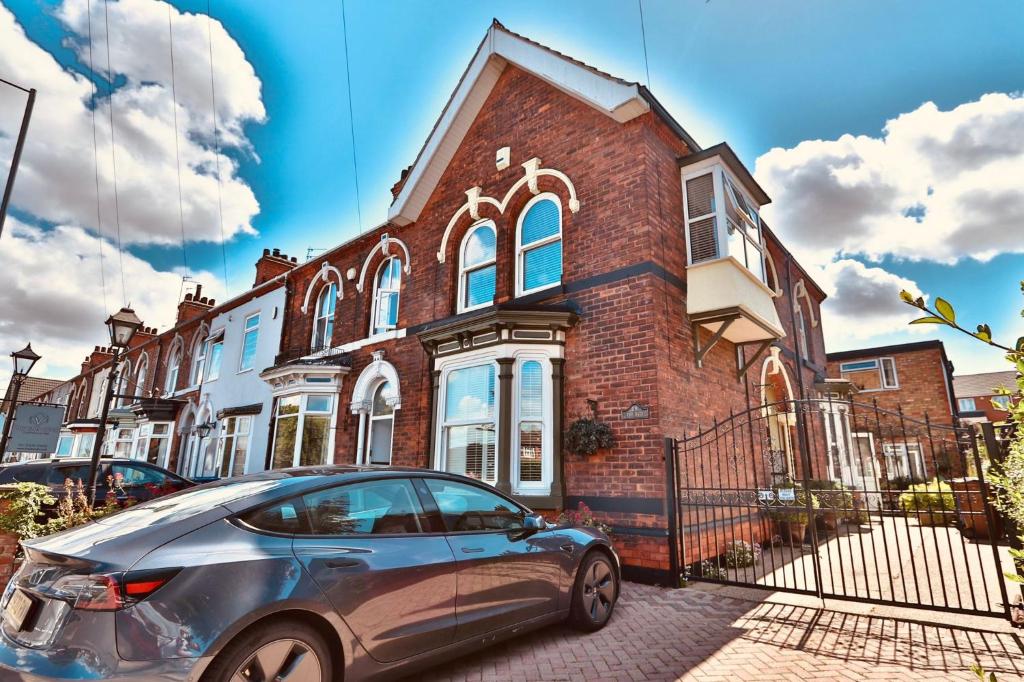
(801,329)
(323,322)
(539,245)
(386,287)
(124,378)
(381,427)
(173,365)
(477,267)
(199,354)
(141,376)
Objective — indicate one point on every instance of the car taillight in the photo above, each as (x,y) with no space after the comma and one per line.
(90,592)
(110,591)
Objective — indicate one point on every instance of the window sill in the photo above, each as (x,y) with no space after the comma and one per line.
(538,295)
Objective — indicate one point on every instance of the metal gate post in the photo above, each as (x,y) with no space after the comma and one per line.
(672,509)
(805,457)
(991,521)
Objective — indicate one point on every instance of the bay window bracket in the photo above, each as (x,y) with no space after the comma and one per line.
(702,351)
(750,363)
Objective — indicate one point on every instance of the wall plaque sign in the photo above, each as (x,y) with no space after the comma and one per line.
(637,411)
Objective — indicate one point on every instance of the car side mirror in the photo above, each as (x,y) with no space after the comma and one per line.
(534,522)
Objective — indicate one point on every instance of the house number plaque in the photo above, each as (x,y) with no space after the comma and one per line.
(637,411)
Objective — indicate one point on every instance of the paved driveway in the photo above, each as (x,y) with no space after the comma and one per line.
(693,634)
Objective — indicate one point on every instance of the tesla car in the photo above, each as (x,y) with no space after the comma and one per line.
(302,575)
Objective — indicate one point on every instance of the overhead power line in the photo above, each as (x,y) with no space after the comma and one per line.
(177,150)
(113,151)
(351,117)
(216,144)
(96,159)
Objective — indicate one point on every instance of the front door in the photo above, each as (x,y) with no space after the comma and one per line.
(388,576)
(505,575)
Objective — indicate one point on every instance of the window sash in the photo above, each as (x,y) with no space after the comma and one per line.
(967,405)
(250,339)
(890,379)
(527,251)
(213,366)
(308,439)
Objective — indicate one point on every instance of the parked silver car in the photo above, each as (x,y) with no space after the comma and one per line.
(302,575)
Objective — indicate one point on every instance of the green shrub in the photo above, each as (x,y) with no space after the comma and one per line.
(795,511)
(740,554)
(931,501)
(21,514)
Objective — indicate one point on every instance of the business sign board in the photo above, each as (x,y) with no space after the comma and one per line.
(36,428)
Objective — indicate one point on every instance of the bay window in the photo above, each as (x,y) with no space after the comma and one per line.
(477,267)
(302,430)
(151,443)
(531,452)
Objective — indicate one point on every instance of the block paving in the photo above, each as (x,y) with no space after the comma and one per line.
(694,634)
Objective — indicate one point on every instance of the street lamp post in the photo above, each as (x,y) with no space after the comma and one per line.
(122,326)
(24,360)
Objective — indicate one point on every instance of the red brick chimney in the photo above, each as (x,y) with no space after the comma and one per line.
(193,305)
(271,264)
(396,188)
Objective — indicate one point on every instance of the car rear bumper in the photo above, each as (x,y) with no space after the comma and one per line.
(22,664)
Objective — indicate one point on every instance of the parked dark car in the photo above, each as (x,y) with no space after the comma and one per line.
(300,575)
(139,481)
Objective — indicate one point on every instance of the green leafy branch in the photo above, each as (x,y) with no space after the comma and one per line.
(945,314)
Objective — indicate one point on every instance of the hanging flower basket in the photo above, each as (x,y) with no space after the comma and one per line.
(586,436)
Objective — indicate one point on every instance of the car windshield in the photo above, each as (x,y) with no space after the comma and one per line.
(186,504)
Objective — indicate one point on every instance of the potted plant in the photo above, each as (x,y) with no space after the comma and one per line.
(836,503)
(790,515)
(932,503)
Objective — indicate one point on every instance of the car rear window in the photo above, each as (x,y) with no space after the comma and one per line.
(280,517)
(184,505)
(22,474)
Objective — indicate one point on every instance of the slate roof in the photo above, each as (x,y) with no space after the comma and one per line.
(983,384)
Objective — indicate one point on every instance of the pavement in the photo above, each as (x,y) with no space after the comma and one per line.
(711,633)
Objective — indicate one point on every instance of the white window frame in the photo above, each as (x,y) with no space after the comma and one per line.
(329,290)
(173,369)
(801,332)
(371,418)
(522,250)
(141,375)
(542,487)
(245,333)
(213,370)
(895,374)
(722,191)
(876,365)
(960,403)
(199,355)
(902,450)
(300,424)
(223,436)
(1004,404)
(376,329)
(465,271)
(443,424)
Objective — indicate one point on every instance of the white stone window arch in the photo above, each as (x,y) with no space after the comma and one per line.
(387,286)
(323,316)
(478,267)
(384,246)
(375,398)
(539,244)
(772,273)
(325,274)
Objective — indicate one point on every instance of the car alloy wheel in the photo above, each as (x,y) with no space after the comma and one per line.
(282,660)
(598,590)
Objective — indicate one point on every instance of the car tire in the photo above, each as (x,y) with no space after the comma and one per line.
(285,650)
(594,593)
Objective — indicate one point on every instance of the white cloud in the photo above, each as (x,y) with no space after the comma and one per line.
(936,185)
(56,179)
(53,297)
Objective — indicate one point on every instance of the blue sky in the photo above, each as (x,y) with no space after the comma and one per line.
(759,75)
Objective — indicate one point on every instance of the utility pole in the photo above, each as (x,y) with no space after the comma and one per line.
(18,147)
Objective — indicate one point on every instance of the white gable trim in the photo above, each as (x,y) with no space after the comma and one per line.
(621,101)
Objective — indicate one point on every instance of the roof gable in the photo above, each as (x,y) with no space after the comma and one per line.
(621,100)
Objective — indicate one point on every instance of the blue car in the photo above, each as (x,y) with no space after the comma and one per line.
(301,575)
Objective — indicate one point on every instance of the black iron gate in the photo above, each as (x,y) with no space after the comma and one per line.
(842,500)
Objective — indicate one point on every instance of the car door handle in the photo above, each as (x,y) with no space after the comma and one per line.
(472,550)
(568,547)
(341,563)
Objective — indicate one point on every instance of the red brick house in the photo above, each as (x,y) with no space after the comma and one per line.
(912,379)
(977,397)
(560,248)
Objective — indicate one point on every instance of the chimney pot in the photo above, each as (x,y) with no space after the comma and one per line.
(266,252)
(277,252)
(199,290)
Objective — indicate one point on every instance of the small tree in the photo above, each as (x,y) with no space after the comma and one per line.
(1008,478)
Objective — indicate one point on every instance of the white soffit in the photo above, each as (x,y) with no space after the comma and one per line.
(617,99)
